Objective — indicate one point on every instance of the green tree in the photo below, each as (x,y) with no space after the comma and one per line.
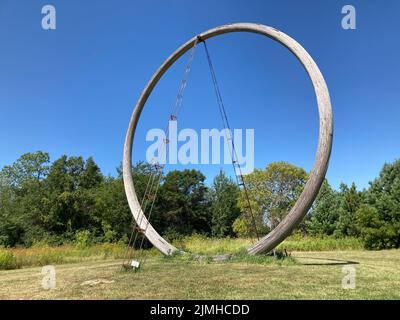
(383,196)
(349,204)
(183,203)
(372,229)
(65,174)
(324,215)
(224,208)
(71,197)
(91,176)
(21,189)
(30,167)
(112,206)
(272,193)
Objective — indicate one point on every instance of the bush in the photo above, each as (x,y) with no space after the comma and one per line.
(375,233)
(7,260)
(110,235)
(82,239)
(240,227)
(244,229)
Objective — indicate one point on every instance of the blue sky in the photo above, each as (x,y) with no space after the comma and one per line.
(72,90)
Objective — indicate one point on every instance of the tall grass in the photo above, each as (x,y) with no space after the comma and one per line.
(296,243)
(212,246)
(42,254)
(7,260)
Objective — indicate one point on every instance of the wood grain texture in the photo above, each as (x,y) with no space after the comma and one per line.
(320,166)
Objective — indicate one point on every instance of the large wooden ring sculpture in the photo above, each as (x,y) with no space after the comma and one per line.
(320,166)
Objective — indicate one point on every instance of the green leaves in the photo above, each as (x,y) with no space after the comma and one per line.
(29,168)
(372,215)
(272,193)
(183,203)
(54,202)
(223,197)
(379,223)
(47,201)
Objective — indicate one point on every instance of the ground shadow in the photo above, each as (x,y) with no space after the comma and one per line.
(335,262)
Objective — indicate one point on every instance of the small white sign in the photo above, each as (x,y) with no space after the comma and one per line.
(135,264)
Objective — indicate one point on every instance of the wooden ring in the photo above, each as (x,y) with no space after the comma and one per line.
(317,175)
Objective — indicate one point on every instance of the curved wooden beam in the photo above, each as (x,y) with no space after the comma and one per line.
(318,171)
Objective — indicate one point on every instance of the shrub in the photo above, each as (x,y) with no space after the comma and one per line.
(7,260)
(243,228)
(375,233)
(110,235)
(82,239)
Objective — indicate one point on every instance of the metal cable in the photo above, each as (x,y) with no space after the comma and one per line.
(153,177)
(235,162)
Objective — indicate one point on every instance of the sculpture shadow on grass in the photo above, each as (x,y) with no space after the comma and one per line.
(325,262)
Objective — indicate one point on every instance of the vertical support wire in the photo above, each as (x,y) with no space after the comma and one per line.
(235,161)
(159,168)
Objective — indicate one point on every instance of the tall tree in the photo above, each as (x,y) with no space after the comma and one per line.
(324,214)
(383,198)
(70,199)
(224,208)
(183,203)
(30,167)
(112,206)
(91,175)
(272,193)
(350,202)
(22,188)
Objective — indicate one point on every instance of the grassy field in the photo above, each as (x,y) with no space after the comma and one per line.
(96,273)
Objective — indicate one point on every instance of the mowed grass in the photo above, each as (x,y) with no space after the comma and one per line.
(304,275)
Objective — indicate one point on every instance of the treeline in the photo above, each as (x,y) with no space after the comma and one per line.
(373,215)
(71,200)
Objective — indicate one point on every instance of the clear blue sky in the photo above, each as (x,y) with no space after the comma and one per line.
(72,90)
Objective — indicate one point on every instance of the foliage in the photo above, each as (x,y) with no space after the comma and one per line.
(321,243)
(224,209)
(372,215)
(379,219)
(350,202)
(183,203)
(213,246)
(43,201)
(272,192)
(69,201)
(334,212)
(7,260)
(324,214)
(82,239)
(42,254)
